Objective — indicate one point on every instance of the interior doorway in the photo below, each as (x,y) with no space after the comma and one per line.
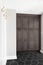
(28,32)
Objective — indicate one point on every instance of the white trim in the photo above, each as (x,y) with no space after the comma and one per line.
(41,51)
(4,60)
(11,57)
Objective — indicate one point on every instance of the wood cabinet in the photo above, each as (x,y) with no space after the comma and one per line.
(27,32)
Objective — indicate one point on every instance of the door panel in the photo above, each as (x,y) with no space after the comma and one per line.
(19,22)
(30,23)
(30,34)
(25,43)
(36,35)
(31,45)
(19,34)
(25,22)
(27,32)
(36,23)
(19,43)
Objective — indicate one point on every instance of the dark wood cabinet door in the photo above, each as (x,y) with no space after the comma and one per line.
(27,32)
(19,34)
(25,22)
(19,21)
(30,22)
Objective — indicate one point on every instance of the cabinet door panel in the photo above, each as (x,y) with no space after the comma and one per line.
(19,34)
(25,34)
(25,45)
(30,35)
(30,23)
(30,45)
(25,22)
(36,38)
(36,23)
(19,47)
(36,35)
(19,22)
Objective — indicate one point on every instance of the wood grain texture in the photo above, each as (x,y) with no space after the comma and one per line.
(27,32)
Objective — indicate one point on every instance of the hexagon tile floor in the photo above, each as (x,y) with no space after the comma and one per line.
(27,58)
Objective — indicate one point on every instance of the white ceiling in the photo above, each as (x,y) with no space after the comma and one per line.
(26,6)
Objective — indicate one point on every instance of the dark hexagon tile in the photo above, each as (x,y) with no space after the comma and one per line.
(40,61)
(27,58)
(27,62)
(13,63)
(21,63)
(40,64)
(22,59)
(34,62)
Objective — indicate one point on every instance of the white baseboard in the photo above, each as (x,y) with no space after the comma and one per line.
(11,57)
(4,60)
(41,51)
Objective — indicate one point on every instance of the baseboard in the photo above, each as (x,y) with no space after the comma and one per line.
(11,57)
(3,61)
(41,51)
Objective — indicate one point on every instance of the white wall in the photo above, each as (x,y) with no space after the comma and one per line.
(11,34)
(7,36)
(0,36)
(26,6)
(2,40)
